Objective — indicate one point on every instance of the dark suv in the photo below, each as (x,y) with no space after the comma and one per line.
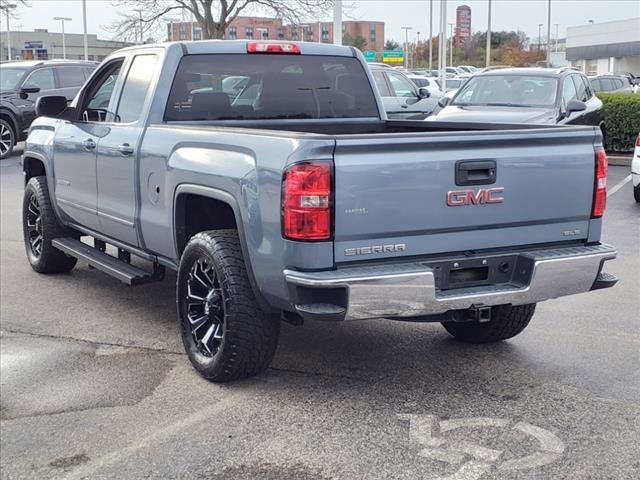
(525,95)
(22,83)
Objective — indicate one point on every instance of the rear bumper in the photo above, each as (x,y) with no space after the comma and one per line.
(411,290)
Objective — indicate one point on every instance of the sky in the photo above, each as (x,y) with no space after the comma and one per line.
(522,15)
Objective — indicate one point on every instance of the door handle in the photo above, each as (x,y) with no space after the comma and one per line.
(475,172)
(125,149)
(89,144)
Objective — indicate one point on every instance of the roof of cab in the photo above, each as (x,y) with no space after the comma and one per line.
(533,71)
(240,46)
(36,63)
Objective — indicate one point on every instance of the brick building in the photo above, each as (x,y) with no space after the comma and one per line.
(274,29)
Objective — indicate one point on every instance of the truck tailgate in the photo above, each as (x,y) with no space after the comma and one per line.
(427,193)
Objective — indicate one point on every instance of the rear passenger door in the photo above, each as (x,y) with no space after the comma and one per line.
(69,79)
(117,161)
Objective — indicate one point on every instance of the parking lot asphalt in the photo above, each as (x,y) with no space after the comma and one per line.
(94,384)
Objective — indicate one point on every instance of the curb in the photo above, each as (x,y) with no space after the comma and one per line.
(619,160)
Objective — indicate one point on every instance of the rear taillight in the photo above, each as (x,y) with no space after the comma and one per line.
(306,201)
(600,187)
(272,47)
(638,141)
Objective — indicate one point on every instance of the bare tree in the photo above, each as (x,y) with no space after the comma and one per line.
(9,6)
(213,16)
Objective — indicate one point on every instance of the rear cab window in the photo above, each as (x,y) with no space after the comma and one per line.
(269,86)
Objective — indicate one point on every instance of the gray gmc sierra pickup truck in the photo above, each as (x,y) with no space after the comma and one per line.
(267,175)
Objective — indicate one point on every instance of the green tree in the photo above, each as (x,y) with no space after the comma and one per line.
(391,45)
(358,42)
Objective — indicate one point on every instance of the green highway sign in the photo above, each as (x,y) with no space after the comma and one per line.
(393,56)
(370,55)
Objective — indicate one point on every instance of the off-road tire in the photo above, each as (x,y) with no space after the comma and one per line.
(7,137)
(506,322)
(50,259)
(250,336)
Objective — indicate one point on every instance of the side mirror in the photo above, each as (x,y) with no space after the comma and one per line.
(423,92)
(27,89)
(51,106)
(576,106)
(444,101)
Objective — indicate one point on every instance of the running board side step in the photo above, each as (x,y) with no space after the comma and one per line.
(117,268)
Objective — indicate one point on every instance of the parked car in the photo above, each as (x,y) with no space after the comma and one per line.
(452,84)
(402,99)
(468,68)
(22,83)
(430,83)
(635,170)
(303,203)
(379,64)
(611,83)
(525,95)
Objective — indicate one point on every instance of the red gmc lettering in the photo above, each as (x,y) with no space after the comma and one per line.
(457,198)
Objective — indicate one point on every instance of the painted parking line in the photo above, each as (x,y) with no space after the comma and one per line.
(618,185)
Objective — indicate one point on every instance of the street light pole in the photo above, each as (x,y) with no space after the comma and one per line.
(557,25)
(451,46)
(406,45)
(64,45)
(488,46)
(442,50)
(549,33)
(84,26)
(337,22)
(540,36)
(430,34)
(8,8)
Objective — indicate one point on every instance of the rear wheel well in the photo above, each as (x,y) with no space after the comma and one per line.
(33,168)
(197,213)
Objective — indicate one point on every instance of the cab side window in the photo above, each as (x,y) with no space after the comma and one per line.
(43,78)
(581,88)
(70,76)
(568,91)
(136,87)
(99,93)
(401,86)
(381,83)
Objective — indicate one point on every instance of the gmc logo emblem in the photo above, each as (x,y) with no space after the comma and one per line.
(458,198)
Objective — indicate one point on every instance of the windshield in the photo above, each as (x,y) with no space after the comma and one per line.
(509,91)
(10,77)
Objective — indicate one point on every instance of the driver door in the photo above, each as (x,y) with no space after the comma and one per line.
(409,104)
(75,147)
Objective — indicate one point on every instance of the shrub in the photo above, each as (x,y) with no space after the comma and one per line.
(621,120)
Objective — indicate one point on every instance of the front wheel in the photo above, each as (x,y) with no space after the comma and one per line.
(7,139)
(506,322)
(40,226)
(636,192)
(226,334)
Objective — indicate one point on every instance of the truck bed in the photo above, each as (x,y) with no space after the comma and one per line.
(349,127)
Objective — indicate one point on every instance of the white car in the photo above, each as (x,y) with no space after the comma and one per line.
(635,170)
(430,83)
